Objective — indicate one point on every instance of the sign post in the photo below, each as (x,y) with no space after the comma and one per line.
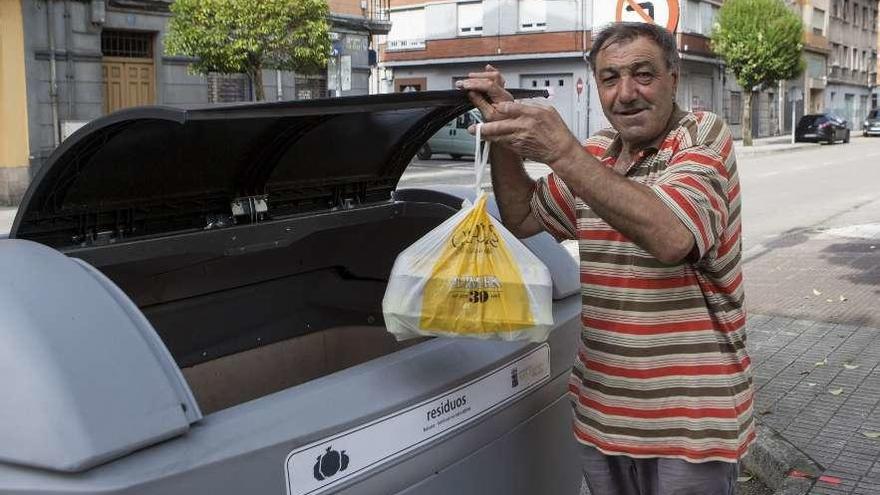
(794,95)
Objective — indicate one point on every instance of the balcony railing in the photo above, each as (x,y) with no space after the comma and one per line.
(378,10)
(378,14)
(849,75)
(401,45)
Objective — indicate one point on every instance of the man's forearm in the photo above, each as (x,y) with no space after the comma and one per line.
(631,208)
(513,191)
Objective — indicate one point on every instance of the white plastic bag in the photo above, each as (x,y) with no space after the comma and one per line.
(469,277)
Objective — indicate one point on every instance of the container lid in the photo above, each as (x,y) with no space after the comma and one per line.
(152,171)
(85,377)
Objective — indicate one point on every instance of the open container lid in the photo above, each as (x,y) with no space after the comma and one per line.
(152,171)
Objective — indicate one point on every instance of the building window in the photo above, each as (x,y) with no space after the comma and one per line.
(865,19)
(310,87)
(708,12)
(735,117)
(128,44)
(772,109)
(835,8)
(228,88)
(407,30)
(818,22)
(532,15)
(700,17)
(845,13)
(835,55)
(470,19)
(855,16)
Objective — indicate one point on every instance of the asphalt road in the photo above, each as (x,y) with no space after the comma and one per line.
(784,193)
(827,186)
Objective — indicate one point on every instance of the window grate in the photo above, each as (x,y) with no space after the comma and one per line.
(310,87)
(128,44)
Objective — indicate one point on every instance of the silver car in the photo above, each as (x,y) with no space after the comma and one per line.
(872,123)
(452,139)
(192,304)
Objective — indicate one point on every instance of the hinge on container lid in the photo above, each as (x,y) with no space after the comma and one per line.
(250,209)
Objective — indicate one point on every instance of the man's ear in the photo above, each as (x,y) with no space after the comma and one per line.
(674,75)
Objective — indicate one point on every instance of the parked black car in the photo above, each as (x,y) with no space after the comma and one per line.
(872,123)
(822,128)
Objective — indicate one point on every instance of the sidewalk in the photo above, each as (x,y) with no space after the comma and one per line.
(773,144)
(7,215)
(814,340)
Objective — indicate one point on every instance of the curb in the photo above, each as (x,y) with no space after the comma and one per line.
(742,151)
(772,457)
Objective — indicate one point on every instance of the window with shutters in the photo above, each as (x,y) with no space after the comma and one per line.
(407,30)
(532,15)
(735,117)
(818,22)
(470,19)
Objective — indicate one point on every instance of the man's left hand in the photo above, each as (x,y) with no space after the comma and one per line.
(533,132)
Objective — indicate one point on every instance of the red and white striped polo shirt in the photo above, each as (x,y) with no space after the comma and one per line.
(662,368)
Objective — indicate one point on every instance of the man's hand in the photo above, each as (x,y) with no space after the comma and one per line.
(531,131)
(484,89)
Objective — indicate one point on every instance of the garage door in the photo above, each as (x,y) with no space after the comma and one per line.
(562,90)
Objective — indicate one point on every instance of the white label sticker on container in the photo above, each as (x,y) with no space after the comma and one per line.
(319,466)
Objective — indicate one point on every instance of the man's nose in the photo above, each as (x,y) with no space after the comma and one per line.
(627,91)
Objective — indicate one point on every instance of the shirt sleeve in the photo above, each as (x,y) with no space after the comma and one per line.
(694,186)
(553,205)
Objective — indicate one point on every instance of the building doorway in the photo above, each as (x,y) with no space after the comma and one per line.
(411,84)
(127,69)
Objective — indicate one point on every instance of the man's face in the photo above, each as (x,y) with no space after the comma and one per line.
(636,89)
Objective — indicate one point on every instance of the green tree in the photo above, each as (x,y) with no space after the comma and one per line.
(247,36)
(761,42)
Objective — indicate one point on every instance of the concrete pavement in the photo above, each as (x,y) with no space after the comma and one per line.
(814,338)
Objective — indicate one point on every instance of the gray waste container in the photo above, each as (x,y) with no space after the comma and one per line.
(192,304)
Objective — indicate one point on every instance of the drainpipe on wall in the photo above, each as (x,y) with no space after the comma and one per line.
(53,76)
(70,80)
(280,90)
(781,113)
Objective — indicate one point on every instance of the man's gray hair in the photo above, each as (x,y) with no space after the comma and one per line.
(626,32)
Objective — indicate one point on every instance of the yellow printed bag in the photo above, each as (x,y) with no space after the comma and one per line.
(469,277)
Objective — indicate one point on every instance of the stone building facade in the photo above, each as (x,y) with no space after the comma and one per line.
(66,62)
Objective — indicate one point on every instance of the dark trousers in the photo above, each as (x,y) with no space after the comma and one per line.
(621,475)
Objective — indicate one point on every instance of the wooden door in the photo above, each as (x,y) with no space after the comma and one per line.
(128,83)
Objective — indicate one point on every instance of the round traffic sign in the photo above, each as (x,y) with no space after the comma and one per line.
(660,12)
(579,86)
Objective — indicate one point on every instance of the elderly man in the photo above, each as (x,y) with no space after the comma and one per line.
(661,388)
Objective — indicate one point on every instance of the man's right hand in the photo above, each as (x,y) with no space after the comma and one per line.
(512,185)
(484,89)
